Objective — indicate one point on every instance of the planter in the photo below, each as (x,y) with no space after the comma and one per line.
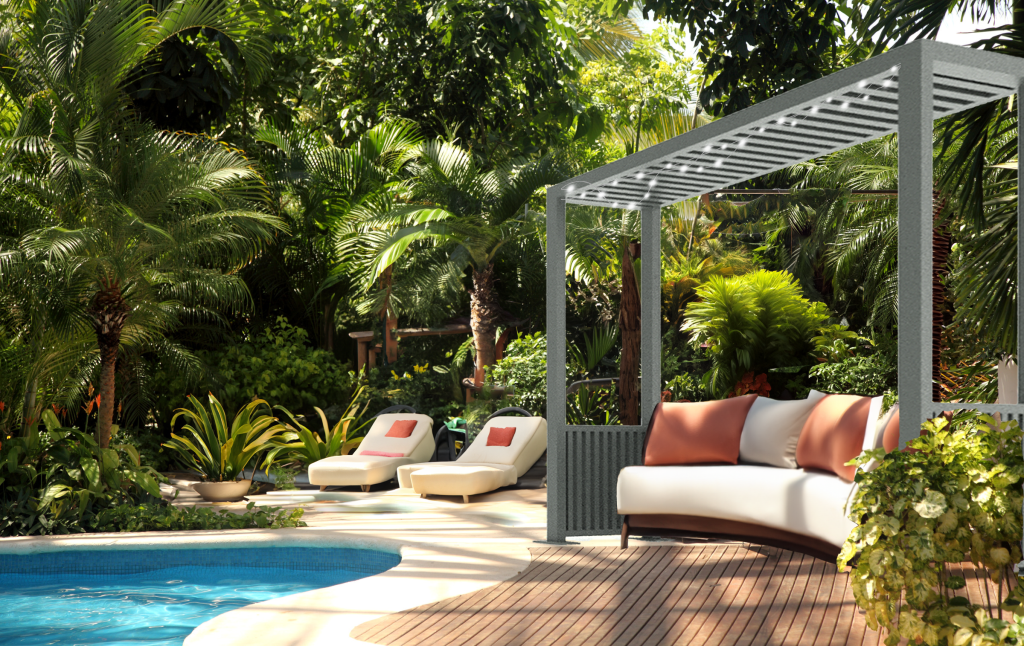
(229,491)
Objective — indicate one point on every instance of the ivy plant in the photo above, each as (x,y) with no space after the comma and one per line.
(954,496)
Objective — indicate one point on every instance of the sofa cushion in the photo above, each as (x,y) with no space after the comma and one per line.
(834,434)
(697,432)
(890,425)
(805,502)
(772,430)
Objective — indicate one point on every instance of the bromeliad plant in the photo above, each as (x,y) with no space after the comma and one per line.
(956,498)
(301,444)
(219,451)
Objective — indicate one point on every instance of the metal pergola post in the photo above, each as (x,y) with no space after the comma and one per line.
(915,248)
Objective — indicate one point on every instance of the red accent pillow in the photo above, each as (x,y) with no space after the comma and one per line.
(383,454)
(500,435)
(834,434)
(698,432)
(401,428)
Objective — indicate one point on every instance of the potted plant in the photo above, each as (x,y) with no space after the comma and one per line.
(220,452)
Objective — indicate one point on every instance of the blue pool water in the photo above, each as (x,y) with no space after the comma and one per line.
(157,597)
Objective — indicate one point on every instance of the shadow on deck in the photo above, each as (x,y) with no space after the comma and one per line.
(715,594)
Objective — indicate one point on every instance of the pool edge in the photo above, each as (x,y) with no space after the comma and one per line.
(426,574)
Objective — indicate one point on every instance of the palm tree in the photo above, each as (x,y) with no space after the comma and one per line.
(473,213)
(976,145)
(141,222)
(320,190)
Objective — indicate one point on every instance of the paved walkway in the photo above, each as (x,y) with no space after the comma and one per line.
(714,594)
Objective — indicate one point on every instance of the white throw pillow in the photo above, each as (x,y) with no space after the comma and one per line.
(772,430)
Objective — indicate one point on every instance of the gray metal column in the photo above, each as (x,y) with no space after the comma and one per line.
(1020,252)
(557,521)
(650,310)
(1020,269)
(915,237)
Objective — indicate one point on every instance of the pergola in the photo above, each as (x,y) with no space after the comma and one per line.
(901,91)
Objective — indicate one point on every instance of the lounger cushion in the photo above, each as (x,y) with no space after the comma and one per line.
(352,470)
(419,446)
(528,443)
(834,434)
(462,480)
(795,500)
(697,433)
(772,430)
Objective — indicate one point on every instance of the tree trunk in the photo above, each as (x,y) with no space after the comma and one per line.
(483,311)
(109,312)
(629,325)
(942,244)
(28,410)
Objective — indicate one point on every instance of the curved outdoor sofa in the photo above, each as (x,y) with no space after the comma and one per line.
(754,469)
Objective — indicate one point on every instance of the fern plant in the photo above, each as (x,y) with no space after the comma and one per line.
(753,323)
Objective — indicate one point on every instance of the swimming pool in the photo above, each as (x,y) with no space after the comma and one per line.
(156,597)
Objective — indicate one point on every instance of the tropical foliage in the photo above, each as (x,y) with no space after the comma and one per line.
(220,450)
(303,445)
(60,480)
(955,496)
(752,323)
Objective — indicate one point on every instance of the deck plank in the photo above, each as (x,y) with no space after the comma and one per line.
(725,594)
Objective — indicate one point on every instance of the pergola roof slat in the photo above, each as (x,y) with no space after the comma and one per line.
(849,107)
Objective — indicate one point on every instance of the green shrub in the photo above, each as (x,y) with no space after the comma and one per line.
(524,366)
(162,517)
(426,390)
(752,323)
(57,480)
(279,365)
(870,376)
(958,497)
(148,442)
(685,387)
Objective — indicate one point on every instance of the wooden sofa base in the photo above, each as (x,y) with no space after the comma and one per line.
(717,528)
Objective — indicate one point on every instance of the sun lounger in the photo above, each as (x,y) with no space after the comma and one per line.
(394,439)
(497,458)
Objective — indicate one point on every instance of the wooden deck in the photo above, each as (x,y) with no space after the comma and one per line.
(720,594)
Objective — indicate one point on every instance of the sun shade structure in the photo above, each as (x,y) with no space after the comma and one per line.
(902,91)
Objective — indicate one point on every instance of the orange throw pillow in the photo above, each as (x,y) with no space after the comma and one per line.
(401,428)
(697,433)
(891,434)
(834,435)
(500,435)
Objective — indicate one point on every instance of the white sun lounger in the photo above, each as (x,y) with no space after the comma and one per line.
(481,468)
(363,468)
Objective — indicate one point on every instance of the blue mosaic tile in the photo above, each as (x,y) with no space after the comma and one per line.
(255,559)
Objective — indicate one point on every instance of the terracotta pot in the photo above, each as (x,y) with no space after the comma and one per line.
(228,491)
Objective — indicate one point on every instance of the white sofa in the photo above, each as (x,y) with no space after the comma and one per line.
(481,468)
(366,470)
(787,506)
